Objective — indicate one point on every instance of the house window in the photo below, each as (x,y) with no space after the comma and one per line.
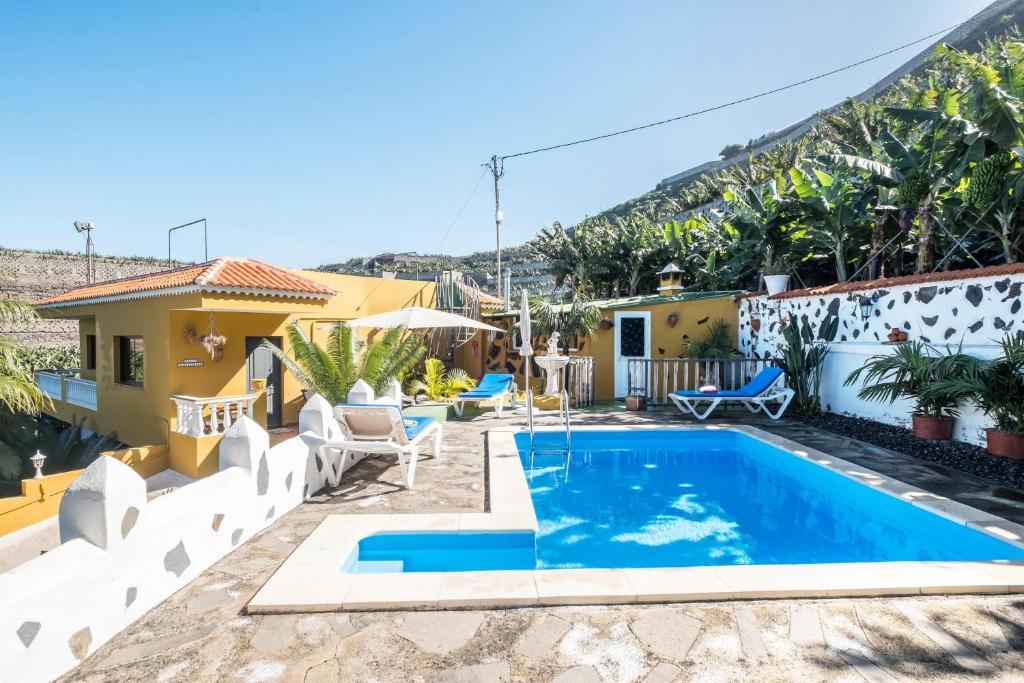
(130,360)
(90,352)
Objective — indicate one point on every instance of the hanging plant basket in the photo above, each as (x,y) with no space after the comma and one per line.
(213,341)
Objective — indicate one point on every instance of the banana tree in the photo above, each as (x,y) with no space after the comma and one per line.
(760,217)
(638,250)
(940,145)
(991,200)
(838,208)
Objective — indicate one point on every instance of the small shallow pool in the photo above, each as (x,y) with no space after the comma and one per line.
(630,499)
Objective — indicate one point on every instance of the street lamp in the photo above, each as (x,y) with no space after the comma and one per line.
(90,271)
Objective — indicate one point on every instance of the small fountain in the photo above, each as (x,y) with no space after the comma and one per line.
(552,364)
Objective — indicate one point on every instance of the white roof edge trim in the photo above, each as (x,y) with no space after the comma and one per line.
(188,289)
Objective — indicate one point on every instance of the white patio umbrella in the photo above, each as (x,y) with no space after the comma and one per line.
(416,318)
(526,350)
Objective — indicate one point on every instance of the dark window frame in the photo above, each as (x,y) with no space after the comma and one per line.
(90,352)
(124,361)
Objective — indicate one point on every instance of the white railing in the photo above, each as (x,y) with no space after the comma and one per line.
(203,416)
(80,392)
(51,383)
(656,378)
(67,386)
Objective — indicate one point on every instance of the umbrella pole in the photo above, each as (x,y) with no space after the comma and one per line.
(529,398)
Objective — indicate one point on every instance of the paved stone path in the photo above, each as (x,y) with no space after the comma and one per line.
(202,633)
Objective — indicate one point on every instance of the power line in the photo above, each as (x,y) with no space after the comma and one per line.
(732,103)
(461,209)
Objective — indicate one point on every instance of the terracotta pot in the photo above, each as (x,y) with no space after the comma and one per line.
(1005,444)
(932,428)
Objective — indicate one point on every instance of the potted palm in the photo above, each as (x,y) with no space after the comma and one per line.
(911,373)
(997,387)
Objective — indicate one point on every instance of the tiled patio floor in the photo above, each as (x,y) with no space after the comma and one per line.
(201,633)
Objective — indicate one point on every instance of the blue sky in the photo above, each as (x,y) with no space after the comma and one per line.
(311,132)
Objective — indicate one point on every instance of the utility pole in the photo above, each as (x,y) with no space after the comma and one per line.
(497,171)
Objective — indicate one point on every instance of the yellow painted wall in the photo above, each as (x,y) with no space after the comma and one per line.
(86,326)
(136,415)
(40,498)
(146,415)
(666,341)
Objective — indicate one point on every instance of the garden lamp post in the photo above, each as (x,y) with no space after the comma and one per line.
(37,462)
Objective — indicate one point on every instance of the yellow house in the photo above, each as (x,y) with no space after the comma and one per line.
(173,357)
(653,326)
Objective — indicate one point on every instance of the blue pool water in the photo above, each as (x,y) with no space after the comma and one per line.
(672,499)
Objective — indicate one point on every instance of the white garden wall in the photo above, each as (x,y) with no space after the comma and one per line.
(120,555)
(970,308)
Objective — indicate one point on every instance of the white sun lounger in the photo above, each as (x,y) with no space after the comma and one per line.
(380,429)
(754,395)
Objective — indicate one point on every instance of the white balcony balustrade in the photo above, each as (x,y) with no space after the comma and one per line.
(204,416)
(67,386)
(51,383)
(80,392)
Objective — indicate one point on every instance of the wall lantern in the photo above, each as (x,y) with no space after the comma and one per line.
(37,462)
(867,304)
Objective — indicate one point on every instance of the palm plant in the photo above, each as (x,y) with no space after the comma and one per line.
(996,386)
(574,321)
(18,391)
(331,372)
(716,343)
(439,385)
(802,359)
(910,372)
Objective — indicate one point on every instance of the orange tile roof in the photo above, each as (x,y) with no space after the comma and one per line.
(486,300)
(943,276)
(225,274)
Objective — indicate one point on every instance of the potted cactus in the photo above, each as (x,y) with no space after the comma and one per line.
(996,387)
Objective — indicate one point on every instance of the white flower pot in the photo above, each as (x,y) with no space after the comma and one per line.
(776,284)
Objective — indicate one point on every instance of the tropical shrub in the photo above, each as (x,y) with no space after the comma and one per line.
(18,391)
(64,446)
(332,371)
(910,372)
(439,385)
(996,386)
(802,359)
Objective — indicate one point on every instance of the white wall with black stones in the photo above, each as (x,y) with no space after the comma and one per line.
(971,314)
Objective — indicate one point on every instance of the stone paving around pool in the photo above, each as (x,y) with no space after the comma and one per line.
(202,632)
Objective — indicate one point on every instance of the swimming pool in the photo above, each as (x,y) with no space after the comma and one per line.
(671,498)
